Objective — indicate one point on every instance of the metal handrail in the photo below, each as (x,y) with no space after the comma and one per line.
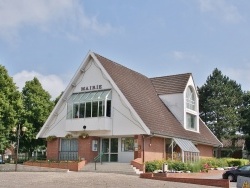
(99,156)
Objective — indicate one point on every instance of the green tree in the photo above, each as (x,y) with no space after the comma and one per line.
(245,113)
(37,105)
(58,98)
(220,101)
(10,108)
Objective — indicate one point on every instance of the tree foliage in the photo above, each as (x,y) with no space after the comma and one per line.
(245,113)
(58,98)
(220,102)
(29,108)
(37,105)
(10,108)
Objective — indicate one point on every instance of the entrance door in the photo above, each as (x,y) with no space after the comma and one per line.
(110,149)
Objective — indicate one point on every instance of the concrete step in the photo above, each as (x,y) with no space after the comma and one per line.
(118,168)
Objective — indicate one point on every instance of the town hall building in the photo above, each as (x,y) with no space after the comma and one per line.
(110,110)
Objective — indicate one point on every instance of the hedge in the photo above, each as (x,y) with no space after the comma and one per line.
(201,165)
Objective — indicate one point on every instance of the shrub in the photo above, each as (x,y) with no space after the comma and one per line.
(213,162)
(195,167)
(237,162)
(178,166)
(233,162)
(151,166)
(202,165)
(220,163)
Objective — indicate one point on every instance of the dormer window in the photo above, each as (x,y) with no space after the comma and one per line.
(191,121)
(190,98)
(191,110)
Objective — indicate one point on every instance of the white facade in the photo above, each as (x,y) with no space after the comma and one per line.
(124,122)
(121,122)
(177,105)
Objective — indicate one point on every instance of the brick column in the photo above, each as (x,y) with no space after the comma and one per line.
(53,149)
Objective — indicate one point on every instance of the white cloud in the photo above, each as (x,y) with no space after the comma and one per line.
(51,83)
(47,14)
(221,9)
(184,56)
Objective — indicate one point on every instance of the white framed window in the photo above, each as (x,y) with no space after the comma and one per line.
(68,149)
(191,110)
(191,122)
(89,104)
(127,144)
(190,98)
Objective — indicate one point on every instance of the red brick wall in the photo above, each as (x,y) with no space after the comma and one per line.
(154,148)
(53,149)
(138,154)
(72,166)
(85,148)
(164,177)
(205,151)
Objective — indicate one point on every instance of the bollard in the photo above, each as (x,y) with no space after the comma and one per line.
(164,167)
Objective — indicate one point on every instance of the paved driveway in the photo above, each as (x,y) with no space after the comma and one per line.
(30,177)
(81,179)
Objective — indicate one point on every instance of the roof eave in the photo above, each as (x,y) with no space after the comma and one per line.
(65,94)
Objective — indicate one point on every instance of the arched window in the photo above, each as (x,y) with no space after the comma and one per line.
(190,98)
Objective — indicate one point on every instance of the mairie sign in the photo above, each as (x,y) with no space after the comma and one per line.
(89,88)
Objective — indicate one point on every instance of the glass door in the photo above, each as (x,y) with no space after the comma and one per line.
(105,149)
(114,150)
(110,149)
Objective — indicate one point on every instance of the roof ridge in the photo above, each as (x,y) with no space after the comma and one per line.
(188,73)
(121,65)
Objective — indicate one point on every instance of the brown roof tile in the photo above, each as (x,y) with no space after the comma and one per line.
(170,84)
(141,94)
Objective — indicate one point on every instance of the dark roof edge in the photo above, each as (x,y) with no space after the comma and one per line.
(210,131)
(168,136)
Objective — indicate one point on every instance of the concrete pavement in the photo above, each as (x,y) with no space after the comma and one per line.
(81,179)
(29,177)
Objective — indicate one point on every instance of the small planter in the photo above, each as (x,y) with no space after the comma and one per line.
(70,165)
(69,136)
(51,138)
(84,135)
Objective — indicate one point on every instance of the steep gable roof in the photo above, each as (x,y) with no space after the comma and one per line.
(170,84)
(139,91)
(143,97)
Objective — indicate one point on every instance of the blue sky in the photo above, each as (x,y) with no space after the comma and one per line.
(50,38)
